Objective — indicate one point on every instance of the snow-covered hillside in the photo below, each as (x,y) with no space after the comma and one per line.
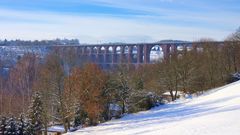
(215,113)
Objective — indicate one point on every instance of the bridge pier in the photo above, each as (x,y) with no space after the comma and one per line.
(130,54)
(122,55)
(166,51)
(114,54)
(139,54)
(98,57)
(147,51)
(91,54)
(106,51)
(173,48)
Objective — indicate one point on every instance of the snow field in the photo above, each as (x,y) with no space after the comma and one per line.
(214,113)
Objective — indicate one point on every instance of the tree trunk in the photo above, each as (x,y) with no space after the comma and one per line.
(175,96)
(65,127)
(123,107)
(45,131)
(67,123)
(172,96)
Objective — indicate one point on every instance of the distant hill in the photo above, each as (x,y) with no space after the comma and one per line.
(170,40)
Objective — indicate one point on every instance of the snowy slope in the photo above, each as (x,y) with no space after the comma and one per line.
(215,113)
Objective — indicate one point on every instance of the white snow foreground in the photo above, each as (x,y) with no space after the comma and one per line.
(215,113)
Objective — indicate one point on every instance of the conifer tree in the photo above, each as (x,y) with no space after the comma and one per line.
(20,125)
(24,127)
(11,128)
(3,125)
(80,117)
(28,128)
(36,113)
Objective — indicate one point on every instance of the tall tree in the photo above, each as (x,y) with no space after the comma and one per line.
(168,77)
(21,80)
(89,83)
(36,113)
(231,51)
(21,125)
(123,87)
(51,86)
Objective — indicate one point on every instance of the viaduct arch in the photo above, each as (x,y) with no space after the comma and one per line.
(139,53)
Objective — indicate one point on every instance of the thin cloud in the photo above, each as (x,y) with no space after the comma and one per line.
(132,21)
(95,29)
(178,13)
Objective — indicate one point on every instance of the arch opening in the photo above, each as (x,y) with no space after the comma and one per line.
(118,49)
(102,49)
(180,48)
(156,54)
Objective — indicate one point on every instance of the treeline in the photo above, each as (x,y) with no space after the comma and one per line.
(60,90)
(39,42)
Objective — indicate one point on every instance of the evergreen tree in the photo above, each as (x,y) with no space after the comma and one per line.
(36,113)
(11,128)
(3,125)
(24,127)
(28,128)
(20,125)
(80,116)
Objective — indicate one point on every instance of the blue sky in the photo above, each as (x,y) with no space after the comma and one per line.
(99,21)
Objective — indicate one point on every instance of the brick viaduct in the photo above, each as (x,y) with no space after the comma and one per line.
(138,53)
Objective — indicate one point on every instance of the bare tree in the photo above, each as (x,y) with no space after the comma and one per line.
(21,79)
(89,83)
(50,85)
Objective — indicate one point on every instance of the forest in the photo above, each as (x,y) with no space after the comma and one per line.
(58,89)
